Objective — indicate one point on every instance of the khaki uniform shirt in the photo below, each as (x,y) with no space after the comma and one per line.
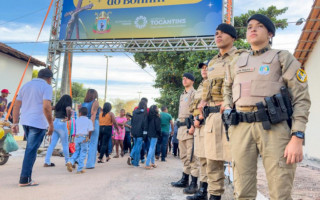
(288,74)
(186,99)
(196,100)
(212,87)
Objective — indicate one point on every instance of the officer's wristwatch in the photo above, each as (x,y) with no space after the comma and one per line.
(299,134)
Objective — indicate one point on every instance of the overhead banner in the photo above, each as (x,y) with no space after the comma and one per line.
(133,19)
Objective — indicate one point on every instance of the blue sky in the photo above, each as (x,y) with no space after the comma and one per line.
(126,79)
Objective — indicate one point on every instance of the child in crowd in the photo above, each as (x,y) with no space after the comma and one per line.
(84,128)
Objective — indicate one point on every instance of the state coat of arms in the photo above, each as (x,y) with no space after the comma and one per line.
(102,24)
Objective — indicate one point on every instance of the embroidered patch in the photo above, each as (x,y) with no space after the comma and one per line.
(302,75)
(247,69)
(264,70)
(186,99)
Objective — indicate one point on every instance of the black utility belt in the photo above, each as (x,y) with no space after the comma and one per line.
(179,124)
(278,108)
(209,109)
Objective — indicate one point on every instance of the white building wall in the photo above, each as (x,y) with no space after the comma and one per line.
(312,142)
(11,70)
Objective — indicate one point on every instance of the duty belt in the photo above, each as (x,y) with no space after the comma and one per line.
(249,117)
(208,109)
(214,109)
(181,124)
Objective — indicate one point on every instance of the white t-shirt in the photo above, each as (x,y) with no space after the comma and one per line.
(32,95)
(83,125)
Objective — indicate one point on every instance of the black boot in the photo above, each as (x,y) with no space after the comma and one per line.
(201,194)
(193,187)
(183,182)
(213,197)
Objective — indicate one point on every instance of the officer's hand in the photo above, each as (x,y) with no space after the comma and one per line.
(293,151)
(191,130)
(197,124)
(171,133)
(222,109)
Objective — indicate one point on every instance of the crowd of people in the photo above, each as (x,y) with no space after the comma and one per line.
(239,111)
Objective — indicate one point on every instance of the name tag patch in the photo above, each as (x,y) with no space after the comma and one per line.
(264,70)
(247,69)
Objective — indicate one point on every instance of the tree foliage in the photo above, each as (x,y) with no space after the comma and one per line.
(127,105)
(170,66)
(35,73)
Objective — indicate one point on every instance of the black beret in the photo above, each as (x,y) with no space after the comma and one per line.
(227,28)
(266,21)
(203,63)
(188,76)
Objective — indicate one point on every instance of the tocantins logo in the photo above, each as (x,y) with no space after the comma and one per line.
(141,22)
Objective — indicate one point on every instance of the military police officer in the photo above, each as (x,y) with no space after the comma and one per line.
(199,136)
(270,93)
(185,137)
(217,148)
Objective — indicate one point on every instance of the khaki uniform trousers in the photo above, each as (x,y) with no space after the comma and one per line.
(247,141)
(185,147)
(217,150)
(200,153)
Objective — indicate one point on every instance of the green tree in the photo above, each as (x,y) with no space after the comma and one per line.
(35,73)
(272,12)
(170,66)
(78,92)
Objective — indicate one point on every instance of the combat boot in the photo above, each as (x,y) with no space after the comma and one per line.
(201,194)
(213,197)
(183,182)
(193,187)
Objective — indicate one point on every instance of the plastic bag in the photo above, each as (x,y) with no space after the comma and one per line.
(10,144)
(1,132)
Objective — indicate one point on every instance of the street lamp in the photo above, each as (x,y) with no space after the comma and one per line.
(300,21)
(106,84)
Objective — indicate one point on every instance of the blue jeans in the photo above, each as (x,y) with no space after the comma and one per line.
(136,151)
(60,131)
(34,138)
(110,145)
(162,145)
(81,152)
(152,150)
(92,153)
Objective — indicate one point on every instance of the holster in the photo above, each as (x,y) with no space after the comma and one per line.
(189,121)
(263,116)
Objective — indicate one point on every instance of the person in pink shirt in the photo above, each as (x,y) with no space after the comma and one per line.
(119,136)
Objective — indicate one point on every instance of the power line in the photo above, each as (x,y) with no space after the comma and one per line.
(139,65)
(28,14)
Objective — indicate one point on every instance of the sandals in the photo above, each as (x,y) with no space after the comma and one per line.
(154,165)
(147,167)
(69,167)
(122,154)
(50,165)
(100,161)
(116,156)
(108,158)
(31,183)
(129,161)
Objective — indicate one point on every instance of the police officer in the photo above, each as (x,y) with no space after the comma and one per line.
(199,136)
(185,137)
(217,148)
(257,77)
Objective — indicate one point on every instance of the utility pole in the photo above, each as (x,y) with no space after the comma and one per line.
(106,84)
(139,94)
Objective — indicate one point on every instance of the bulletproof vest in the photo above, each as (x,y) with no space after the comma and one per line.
(216,70)
(184,104)
(196,100)
(256,77)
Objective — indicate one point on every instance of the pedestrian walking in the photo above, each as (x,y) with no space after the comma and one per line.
(119,135)
(106,121)
(84,128)
(139,130)
(34,103)
(127,137)
(62,115)
(154,132)
(92,105)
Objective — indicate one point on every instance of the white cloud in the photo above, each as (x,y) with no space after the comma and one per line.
(16,32)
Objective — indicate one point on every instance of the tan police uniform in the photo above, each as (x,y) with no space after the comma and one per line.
(252,77)
(185,139)
(217,147)
(199,151)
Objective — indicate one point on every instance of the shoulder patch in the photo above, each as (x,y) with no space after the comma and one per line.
(302,75)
